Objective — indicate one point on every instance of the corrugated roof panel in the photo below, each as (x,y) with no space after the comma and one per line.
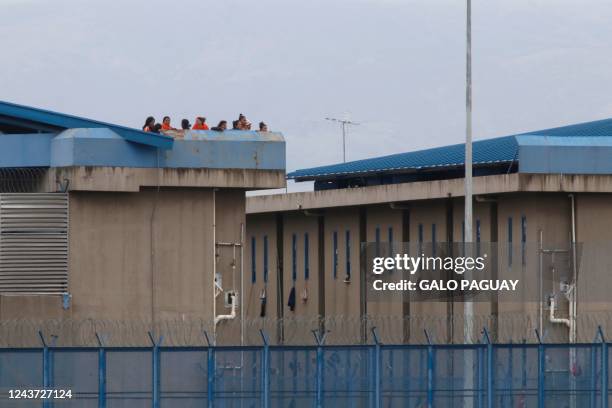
(503,149)
(497,150)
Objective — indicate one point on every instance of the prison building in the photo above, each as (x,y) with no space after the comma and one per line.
(105,229)
(542,200)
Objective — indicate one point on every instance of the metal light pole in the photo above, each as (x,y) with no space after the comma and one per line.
(343,123)
(468,305)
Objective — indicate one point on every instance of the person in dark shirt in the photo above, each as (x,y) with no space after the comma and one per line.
(263,127)
(235,125)
(149,125)
(220,127)
(185,125)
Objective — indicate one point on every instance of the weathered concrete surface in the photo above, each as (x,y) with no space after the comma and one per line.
(429,190)
(547,214)
(146,256)
(128,179)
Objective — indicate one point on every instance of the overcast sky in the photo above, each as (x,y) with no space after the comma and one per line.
(395,66)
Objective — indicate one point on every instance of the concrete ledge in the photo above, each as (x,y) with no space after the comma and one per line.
(427,190)
(130,179)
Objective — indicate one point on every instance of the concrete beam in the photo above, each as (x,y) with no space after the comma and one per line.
(129,179)
(428,190)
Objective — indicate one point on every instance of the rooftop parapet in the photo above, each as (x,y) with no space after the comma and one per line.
(103,158)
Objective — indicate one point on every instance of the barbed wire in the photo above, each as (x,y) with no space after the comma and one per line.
(21,180)
(341,330)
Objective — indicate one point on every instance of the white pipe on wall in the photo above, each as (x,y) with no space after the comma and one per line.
(232,314)
(552,317)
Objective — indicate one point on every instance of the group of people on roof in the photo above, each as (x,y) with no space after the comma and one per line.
(242,123)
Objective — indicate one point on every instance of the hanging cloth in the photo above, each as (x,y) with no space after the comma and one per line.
(304,295)
(291,301)
(263,299)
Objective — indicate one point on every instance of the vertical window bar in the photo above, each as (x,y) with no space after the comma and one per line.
(377,240)
(509,241)
(253,261)
(477,237)
(348,254)
(265,259)
(335,248)
(420,239)
(523,239)
(306,250)
(390,241)
(463,238)
(294,257)
(433,239)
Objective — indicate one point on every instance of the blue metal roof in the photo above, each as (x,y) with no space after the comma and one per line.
(490,151)
(64,121)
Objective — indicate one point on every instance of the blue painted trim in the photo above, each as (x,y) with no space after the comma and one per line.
(30,149)
(66,121)
(105,148)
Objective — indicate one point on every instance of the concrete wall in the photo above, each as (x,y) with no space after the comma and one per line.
(142,257)
(545,216)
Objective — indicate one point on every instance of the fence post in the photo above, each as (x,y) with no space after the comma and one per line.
(377,368)
(156,370)
(320,361)
(604,369)
(481,374)
(47,381)
(430,371)
(490,370)
(265,371)
(101,373)
(541,370)
(210,373)
(510,376)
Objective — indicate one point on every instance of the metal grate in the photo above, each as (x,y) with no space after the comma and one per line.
(34,243)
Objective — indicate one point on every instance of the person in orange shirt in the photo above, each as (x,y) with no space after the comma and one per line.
(166,124)
(200,124)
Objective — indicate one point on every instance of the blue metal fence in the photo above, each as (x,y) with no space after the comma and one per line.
(481,375)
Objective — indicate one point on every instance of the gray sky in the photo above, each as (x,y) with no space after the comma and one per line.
(396,66)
